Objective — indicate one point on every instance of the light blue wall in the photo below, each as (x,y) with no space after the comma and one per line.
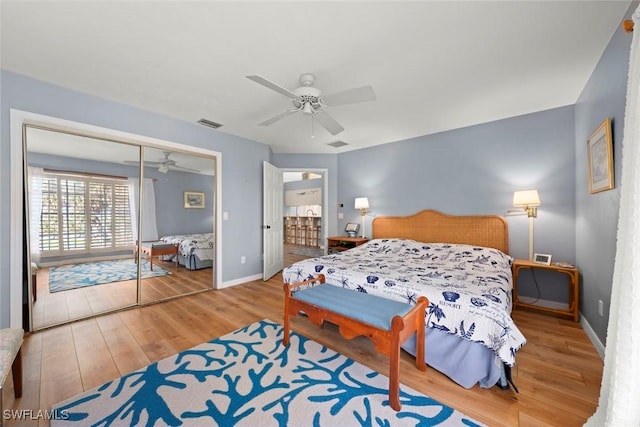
(597,214)
(475,170)
(171,216)
(241,168)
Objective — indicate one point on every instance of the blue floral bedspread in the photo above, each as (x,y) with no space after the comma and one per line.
(469,287)
(196,244)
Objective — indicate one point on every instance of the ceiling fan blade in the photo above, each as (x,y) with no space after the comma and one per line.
(146,163)
(182,168)
(328,122)
(350,96)
(273,86)
(278,117)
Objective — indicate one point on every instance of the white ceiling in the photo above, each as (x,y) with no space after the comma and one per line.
(434,65)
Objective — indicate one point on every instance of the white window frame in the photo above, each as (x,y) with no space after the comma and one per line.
(87,179)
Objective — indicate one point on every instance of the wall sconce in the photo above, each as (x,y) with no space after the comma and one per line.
(362,203)
(529,200)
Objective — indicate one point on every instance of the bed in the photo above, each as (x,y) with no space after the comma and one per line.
(461,264)
(195,251)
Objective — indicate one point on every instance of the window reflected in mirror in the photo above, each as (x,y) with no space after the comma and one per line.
(96,223)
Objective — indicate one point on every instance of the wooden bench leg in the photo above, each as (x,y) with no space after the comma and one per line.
(16,370)
(420,336)
(285,335)
(394,363)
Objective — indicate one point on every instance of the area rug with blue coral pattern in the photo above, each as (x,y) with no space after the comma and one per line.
(74,276)
(248,378)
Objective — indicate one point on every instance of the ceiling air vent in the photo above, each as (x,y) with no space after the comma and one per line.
(209,123)
(337,144)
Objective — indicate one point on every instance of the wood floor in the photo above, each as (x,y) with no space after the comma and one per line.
(55,308)
(558,371)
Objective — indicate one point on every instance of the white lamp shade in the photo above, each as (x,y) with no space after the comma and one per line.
(526,198)
(362,203)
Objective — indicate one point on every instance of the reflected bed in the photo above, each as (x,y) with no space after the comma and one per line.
(195,251)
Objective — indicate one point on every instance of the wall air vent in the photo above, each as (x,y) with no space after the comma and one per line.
(337,144)
(209,123)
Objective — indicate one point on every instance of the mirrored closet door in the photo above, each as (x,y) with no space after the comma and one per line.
(104,235)
(178,225)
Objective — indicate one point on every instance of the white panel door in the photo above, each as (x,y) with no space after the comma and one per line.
(272,223)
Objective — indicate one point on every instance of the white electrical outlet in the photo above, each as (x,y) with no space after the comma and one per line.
(600,308)
(340,215)
(243,259)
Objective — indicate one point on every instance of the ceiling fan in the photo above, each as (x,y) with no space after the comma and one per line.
(309,100)
(164,165)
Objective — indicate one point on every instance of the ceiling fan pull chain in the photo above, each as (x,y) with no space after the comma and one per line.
(312,117)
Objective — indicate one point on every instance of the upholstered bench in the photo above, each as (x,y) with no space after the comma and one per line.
(386,323)
(157,248)
(11,358)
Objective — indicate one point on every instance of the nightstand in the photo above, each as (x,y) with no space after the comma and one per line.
(342,243)
(574,278)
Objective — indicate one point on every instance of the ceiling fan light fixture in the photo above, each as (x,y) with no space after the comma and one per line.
(307,109)
(163,169)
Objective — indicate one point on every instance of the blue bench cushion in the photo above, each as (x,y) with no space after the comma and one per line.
(370,309)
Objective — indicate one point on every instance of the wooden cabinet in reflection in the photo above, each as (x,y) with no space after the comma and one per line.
(302,230)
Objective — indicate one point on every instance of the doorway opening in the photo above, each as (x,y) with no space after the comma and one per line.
(304,211)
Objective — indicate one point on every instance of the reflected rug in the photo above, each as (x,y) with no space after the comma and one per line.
(75,276)
(248,378)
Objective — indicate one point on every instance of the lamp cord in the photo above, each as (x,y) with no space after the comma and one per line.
(535,281)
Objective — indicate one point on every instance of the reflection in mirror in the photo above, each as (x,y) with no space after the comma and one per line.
(86,210)
(79,225)
(178,223)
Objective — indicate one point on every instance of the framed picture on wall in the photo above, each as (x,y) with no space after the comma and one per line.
(600,158)
(193,200)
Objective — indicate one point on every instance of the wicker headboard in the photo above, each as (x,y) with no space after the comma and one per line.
(432,226)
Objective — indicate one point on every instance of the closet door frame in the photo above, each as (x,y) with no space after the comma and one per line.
(18,119)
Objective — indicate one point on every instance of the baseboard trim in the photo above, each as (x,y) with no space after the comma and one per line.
(239,281)
(592,336)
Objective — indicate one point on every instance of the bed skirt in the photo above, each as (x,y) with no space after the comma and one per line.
(465,362)
(192,262)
